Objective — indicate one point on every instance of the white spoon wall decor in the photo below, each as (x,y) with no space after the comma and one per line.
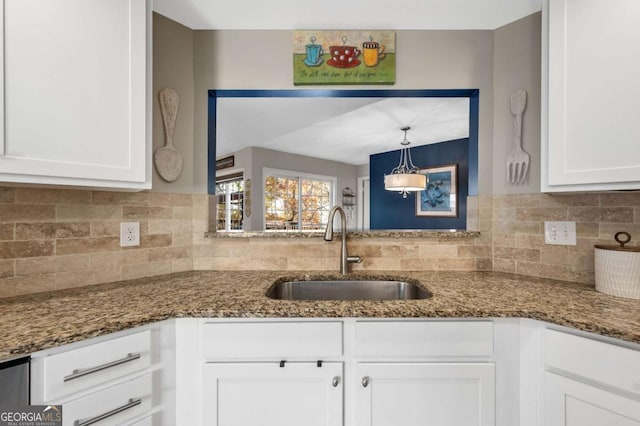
(167,159)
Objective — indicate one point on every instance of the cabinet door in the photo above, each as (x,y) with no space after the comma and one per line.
(591,131)
(414,394)
(572,403)
(76,79)
(240,394)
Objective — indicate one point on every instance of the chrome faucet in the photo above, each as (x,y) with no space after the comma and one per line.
(328,236)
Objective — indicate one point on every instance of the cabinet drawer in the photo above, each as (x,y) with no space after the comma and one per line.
(613,365)
(146,421)
(115,405)
(269,340)
(383,339)
(78,369)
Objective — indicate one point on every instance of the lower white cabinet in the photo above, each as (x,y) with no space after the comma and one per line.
(118,379)
(588,382)
(76,370)
(112,406)
(365,373)
(270,393)
(343,372)
(569,402)
(421,394)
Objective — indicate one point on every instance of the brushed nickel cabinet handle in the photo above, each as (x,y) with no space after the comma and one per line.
(75,374)
(336,381)
(365,381)
(85,422)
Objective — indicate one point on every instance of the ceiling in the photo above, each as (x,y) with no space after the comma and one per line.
(353,15)
(339,129)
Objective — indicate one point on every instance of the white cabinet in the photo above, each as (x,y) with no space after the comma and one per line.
(78,369)
(590,67)
(570,402)
(269,394)
(115,405)
(418,373)
(393,372)
(419,339)
(601,388)
(117,378)
(265,340)
(421,394)
(77,79)
(272,373)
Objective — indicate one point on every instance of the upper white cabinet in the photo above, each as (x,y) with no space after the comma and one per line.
(591,99)
(77,84)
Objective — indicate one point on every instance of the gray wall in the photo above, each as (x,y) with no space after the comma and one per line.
(497,62)
(173,68)
(426,60)
(517,66)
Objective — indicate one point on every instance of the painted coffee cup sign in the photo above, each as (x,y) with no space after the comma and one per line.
(344,57)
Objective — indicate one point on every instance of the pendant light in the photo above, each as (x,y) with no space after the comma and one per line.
(406,177)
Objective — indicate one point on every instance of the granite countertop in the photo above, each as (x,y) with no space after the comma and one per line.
(397,233)
(41,321)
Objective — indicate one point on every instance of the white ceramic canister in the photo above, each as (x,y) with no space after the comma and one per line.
(617,268)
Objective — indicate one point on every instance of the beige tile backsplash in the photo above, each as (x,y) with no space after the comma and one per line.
(52,239)
(518,231)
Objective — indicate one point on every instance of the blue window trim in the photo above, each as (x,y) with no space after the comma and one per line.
(472,94)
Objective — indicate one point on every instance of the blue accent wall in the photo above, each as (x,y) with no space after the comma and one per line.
(390,211)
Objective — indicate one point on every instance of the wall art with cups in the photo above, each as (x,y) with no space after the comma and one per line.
(344,57)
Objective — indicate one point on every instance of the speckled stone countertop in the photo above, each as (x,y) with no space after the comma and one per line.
(399,233)
(41,321)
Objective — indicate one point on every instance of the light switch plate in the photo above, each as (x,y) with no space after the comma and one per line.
(560,233)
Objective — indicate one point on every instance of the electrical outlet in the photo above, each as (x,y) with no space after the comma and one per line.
(129,234)
(560,233)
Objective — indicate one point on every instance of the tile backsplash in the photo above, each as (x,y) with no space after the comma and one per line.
(52,239)
(517,229)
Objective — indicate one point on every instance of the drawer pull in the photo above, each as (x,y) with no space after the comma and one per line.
(336,381)
(85,422)
(86,371)
(365,381)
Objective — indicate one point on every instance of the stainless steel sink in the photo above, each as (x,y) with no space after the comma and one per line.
(347,290)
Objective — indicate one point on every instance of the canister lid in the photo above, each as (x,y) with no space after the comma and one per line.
(622,238)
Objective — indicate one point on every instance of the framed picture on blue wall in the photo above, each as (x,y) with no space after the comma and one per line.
(440,197)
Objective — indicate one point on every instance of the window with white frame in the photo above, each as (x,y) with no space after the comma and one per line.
(296,201)
(230,197)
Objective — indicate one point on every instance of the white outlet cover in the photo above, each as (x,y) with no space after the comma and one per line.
(560,233)
(129,234)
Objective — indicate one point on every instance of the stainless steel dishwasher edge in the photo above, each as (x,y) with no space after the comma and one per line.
(14,382)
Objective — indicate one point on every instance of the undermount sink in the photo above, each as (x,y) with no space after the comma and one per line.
(347,290)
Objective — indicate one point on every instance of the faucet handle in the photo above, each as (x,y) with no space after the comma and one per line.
(354,259)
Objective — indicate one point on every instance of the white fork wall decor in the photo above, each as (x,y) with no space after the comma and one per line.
(517,159)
